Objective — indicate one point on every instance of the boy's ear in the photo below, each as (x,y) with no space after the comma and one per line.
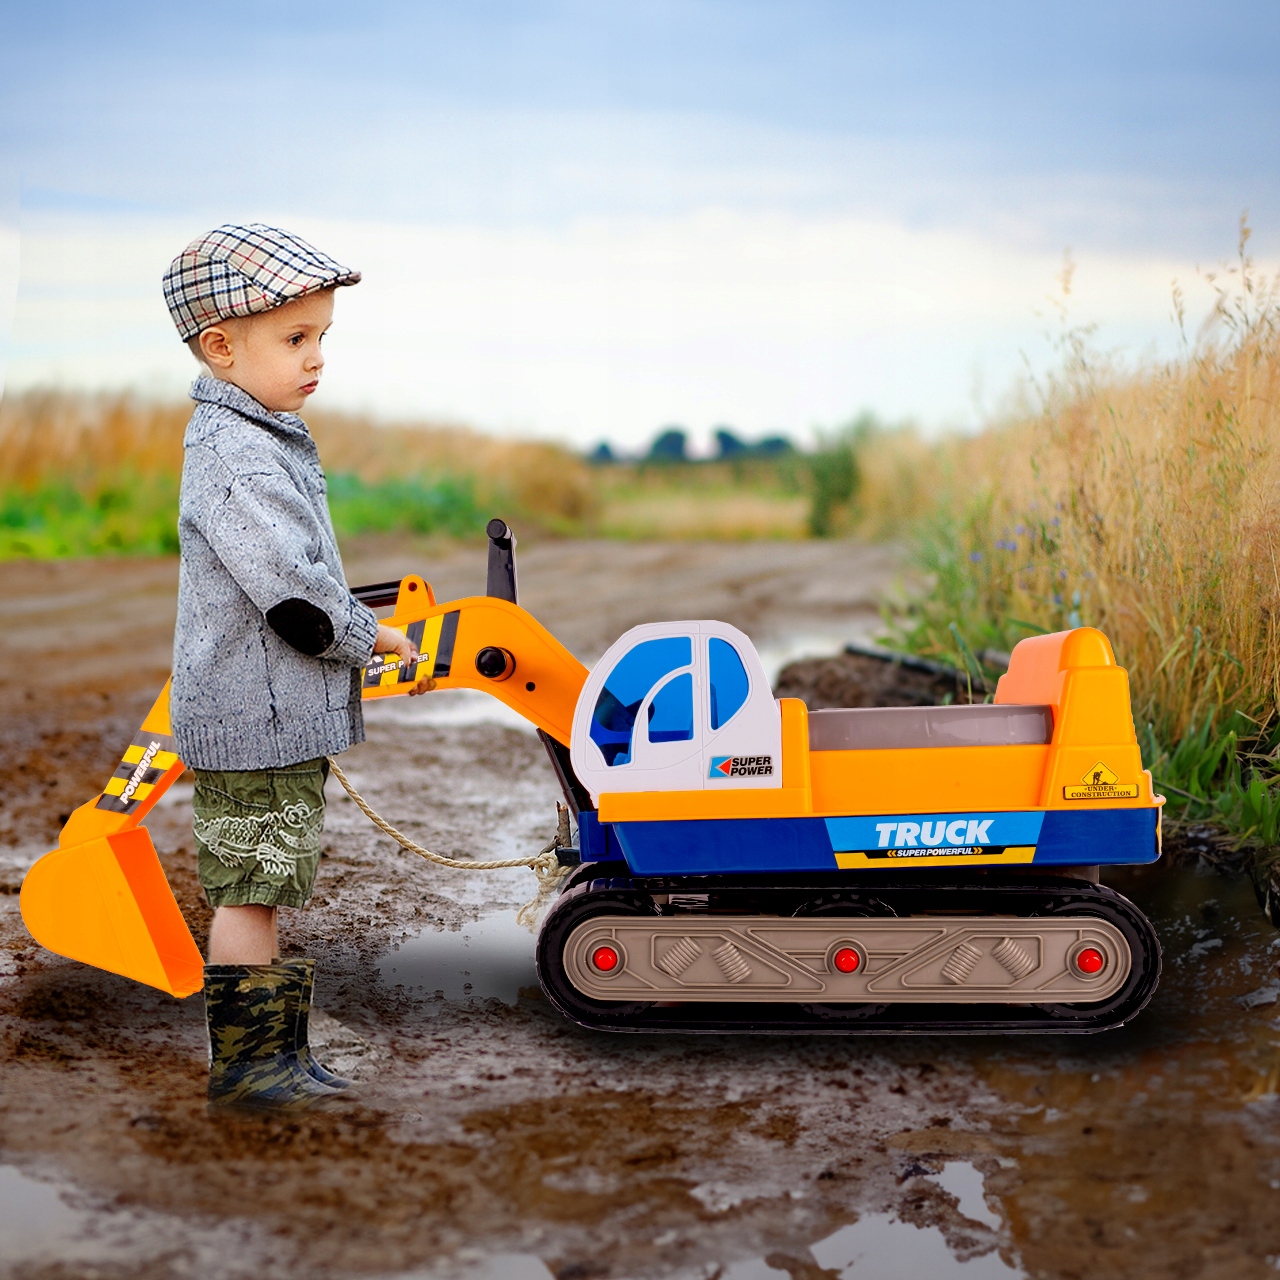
(215,348)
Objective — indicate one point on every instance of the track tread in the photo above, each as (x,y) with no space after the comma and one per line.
(1025,897)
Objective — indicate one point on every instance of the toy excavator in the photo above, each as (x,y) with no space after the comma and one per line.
(744,864)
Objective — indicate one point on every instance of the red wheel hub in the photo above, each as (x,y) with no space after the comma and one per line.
(1090,960)
(846,960)
(605,959)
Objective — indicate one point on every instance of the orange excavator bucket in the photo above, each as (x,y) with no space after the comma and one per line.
(101,896)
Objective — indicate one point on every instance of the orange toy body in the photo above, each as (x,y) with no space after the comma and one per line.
(683,772)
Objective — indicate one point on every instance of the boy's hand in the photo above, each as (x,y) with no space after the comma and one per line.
(390,640)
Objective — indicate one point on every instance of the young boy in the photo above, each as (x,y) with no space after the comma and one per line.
(268,642)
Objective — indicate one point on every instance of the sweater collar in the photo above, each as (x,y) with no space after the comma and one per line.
(216,391)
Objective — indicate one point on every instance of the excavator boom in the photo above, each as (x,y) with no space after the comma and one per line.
(101,896)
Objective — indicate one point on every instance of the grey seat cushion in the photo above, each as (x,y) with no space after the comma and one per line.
(865,728)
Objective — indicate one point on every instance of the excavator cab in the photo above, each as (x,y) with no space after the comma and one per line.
(677,706)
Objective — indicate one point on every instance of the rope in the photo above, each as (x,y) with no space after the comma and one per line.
(545,864)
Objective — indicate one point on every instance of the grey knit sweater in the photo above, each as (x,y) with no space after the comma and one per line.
(269,638)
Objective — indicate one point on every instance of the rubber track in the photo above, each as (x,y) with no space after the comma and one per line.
(588,898)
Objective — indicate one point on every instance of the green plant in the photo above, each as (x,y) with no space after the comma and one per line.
(835,476)
(1226,777)
(415,505)
(84,475)
(981,578)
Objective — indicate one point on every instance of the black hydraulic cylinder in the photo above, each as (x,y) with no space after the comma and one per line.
(501,578)
(378,594)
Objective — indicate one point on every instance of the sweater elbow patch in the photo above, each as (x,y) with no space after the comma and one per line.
(301,625)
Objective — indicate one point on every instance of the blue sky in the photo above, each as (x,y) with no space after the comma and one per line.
(640,212)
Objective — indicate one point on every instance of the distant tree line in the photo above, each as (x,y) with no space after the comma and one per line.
(671,444)
(829,472)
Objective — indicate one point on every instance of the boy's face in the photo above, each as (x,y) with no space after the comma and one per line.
(274,356)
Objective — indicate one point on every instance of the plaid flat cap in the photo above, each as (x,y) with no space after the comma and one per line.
(240,271)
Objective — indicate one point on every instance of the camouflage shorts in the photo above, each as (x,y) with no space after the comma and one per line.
(258,833)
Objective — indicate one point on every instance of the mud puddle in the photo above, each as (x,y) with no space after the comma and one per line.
(883,1246)
(447,708)
(879,1246)
(494,1139)
(491,959)
(49,1227)
(34,1218)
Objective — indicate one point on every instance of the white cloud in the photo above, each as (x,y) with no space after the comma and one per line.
(9,258)
(611,327)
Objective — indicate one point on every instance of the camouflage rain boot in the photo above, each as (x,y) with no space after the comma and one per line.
(316,1069)
(253,1060)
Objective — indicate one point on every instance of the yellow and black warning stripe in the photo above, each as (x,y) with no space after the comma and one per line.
(436,634)
(414,631)
(146,760)
(444,647)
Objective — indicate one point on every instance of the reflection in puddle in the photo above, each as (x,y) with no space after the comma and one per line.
(501,1266)
(960,1179)
(446,707)
(488,960)
(878,1246)
(35,1221)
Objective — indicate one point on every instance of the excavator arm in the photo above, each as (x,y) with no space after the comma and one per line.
(482,643)
(101,896)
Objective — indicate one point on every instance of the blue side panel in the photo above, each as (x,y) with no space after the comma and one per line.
(1084,836)
(713,845)
(723,845)
(593,836)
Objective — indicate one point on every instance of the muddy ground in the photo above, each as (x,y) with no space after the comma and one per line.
(494,1139)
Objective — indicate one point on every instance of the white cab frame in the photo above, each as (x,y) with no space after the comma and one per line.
(755,729)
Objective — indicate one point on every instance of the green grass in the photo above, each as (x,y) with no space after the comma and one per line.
(140,516)
(1225,777)
(751,498)
(447,505)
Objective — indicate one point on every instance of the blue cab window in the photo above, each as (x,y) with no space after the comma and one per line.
(671,711)
(729,685)
(627,686)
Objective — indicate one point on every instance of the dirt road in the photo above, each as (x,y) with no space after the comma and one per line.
(494,1139)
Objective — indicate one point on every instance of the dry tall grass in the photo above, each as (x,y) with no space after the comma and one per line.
(750,498)
(683,515)
(52,436)
(81,474)
(1146,503)
(58,437)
